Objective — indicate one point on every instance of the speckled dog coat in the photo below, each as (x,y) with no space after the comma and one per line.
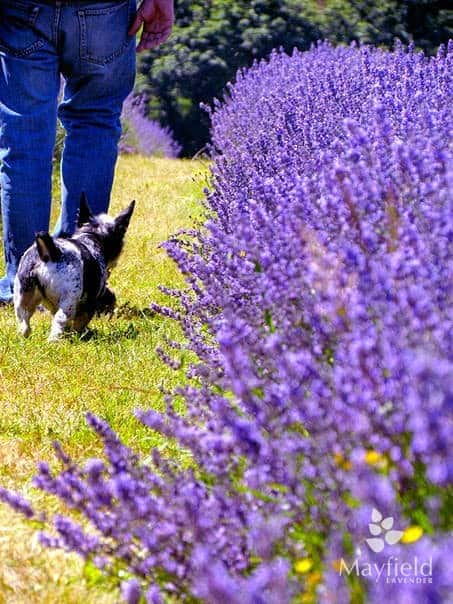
(68,275)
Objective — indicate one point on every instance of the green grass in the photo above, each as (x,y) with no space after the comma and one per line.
(46,389)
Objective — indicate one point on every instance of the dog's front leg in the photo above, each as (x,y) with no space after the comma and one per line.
(82,319)
(59,322)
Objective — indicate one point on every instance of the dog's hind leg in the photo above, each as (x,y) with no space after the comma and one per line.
(59,322)
(25,304)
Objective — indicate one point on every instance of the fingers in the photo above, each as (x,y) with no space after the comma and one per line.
(151,39)
(138,21)
(157,18)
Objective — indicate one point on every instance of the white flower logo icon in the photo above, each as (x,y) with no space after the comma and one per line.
(380,526)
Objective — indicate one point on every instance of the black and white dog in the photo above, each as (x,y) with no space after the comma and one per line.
(69,275)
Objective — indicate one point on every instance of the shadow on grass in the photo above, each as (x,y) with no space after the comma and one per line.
(119,330)
(129,311)
(128,332)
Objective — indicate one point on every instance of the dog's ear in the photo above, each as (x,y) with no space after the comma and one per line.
(84,213)
(123,219)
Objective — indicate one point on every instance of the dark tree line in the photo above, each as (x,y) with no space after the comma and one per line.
(213,38)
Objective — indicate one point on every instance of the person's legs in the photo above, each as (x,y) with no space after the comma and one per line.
(28,100)
(98,64)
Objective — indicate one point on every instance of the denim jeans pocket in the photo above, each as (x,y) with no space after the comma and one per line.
(103,31)
(18,36)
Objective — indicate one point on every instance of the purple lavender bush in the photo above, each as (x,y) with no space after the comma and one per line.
(319,304)
(142,135)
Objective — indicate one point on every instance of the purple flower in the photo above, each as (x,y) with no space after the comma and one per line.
(17,502)
(131,591)
(142,135)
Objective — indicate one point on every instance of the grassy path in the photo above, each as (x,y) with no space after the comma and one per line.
(45,390)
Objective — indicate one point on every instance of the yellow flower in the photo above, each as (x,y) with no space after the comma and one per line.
(242,253)
(342,462)
(314,578)
(303,565)
(373,458)
(336,565)
(311,581)
(412,534)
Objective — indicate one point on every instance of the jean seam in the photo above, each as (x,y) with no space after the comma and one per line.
(104,11)
(23,52)
(55,26)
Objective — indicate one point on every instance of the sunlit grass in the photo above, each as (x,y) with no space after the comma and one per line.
(45,390)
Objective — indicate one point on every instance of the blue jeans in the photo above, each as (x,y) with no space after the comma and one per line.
(87,44)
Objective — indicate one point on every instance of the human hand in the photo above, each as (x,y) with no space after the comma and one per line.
(157,18)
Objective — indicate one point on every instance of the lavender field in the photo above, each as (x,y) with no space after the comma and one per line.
(314,416)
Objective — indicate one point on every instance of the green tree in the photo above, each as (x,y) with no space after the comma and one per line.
(369,22)
(427,23)
(211,40)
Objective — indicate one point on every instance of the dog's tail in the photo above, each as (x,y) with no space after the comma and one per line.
(47,250)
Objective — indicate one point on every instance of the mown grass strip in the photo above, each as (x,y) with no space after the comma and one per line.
(45,389)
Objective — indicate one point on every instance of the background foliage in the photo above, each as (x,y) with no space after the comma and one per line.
(213,39)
